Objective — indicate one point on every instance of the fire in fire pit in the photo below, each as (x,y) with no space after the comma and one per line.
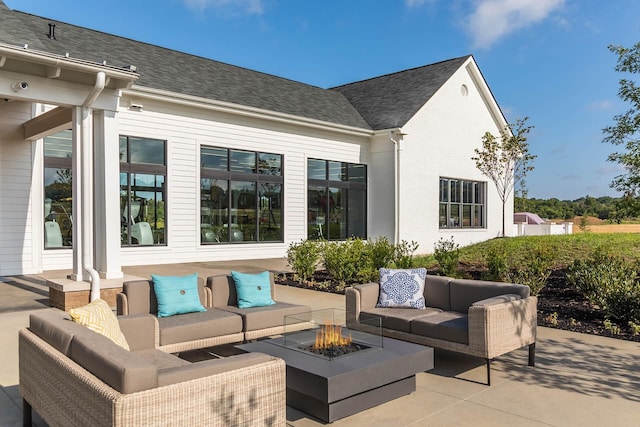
(330,342)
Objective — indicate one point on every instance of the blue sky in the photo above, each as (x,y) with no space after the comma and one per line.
(545,59)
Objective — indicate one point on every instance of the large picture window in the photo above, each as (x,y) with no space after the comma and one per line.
(240,196)
(58,196)
(336,200)
(462,203)
(143,174)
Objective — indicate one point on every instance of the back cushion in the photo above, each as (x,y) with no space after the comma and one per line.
(436,292)
(465,292)
(123,370)
(142,298)
(56,328)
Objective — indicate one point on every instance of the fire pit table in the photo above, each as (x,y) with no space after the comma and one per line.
(334,372)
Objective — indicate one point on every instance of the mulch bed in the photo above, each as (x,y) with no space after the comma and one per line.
(560,306)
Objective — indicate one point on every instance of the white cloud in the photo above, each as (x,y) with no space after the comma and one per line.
(415,3)
(249,6)
(600,105)
(493,19)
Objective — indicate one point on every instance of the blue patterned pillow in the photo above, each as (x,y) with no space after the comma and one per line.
(254,290)
(177,294)
(402,288)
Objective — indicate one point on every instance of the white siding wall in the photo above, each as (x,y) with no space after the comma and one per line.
(186,130)
(440,142)
(17,237)
(382,188)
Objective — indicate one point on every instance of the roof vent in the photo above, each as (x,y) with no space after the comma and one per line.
(52,31)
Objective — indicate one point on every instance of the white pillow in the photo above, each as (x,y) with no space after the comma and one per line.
(402,288)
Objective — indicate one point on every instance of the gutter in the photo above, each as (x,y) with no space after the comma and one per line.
(86,184)
(395,137)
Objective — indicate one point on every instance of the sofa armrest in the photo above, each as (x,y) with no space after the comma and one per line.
(497,300)
(178,374)
(496,329)
(360,297)
(141,331)
(122,304)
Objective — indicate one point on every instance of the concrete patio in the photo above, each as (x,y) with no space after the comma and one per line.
(578,379)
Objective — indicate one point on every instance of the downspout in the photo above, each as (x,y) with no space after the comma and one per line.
(396,161)
(86,177)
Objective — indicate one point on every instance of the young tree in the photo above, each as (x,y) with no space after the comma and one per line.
(625,130)
(505,159)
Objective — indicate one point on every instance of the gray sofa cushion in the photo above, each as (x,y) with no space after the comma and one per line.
(436,292)
(500,299)
(269,316)
(125,371)
(139,330)
(447,325)
(195,326)
(56,328)
(192,371)
(465,292)
(161,359)
(399,318)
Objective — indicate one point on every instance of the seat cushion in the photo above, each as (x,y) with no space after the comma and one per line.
(447,325)
(161,359)
(399,318)
(195,326)
(270,316)
(123,370)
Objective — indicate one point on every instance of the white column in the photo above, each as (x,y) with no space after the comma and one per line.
(107,194)
(76,141)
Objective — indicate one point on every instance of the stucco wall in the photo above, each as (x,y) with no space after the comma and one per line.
(439,142)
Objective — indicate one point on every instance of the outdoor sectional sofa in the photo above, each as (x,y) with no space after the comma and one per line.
(222,323)
(479,318)
(73,376)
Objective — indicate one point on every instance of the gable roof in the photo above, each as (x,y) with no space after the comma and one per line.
(379,103)
(391,100)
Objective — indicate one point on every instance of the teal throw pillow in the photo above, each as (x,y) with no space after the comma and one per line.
(177,294)
(254,290)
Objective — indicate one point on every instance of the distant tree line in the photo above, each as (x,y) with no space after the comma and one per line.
(610,209)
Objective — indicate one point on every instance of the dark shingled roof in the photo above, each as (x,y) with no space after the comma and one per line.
(379,103)
(391,100)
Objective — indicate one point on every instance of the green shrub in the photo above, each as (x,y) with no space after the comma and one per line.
(403,254)
(610,282)
(447,253)
(345,261)
(303,257)
(497,263)
(381,253)
(534,268)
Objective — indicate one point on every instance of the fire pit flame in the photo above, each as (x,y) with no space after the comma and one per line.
(329,336)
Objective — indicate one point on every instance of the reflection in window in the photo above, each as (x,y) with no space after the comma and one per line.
(336,200)
(462,204)
(142,191)
(240,199)
(58,197)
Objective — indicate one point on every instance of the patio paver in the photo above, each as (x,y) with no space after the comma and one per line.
(578,379)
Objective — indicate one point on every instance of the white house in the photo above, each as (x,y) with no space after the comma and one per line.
(115,152)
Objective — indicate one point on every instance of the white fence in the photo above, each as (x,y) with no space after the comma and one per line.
(524,229)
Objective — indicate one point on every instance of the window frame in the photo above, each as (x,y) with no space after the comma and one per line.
(129,168)
(230,176)
(344,185)
(456,205)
